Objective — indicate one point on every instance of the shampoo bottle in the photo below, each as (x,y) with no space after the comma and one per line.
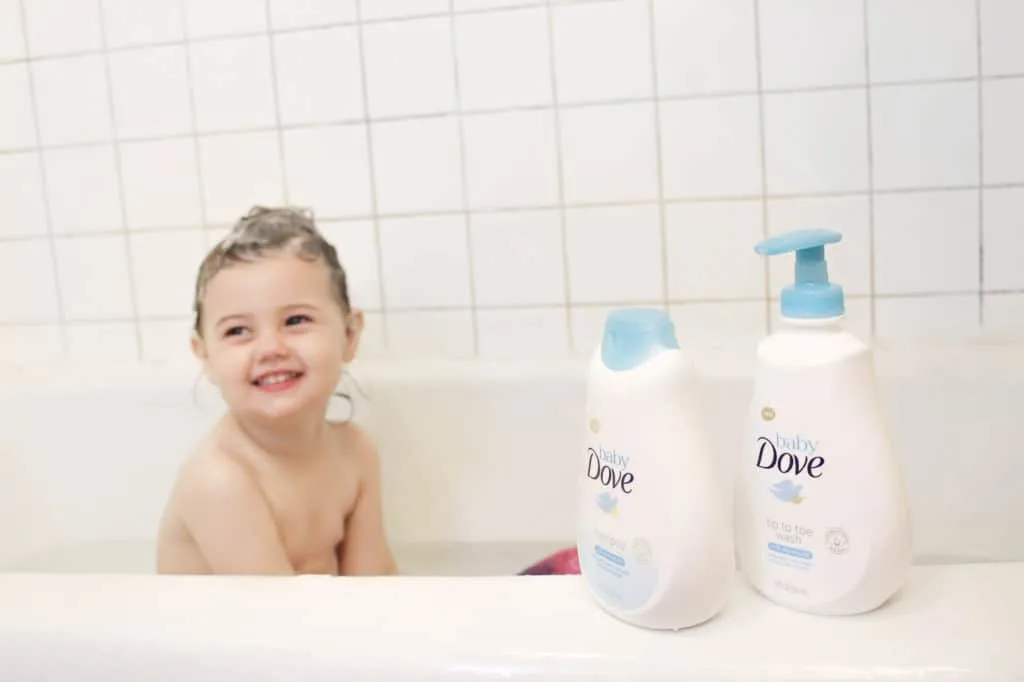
(655,530)
(822,524)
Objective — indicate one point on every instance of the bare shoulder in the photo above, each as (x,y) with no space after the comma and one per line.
(212,477)
(356,443)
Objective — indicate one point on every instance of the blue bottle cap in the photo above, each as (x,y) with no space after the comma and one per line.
(633,335)
(811,296)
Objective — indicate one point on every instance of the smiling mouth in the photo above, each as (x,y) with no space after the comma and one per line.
(277,380)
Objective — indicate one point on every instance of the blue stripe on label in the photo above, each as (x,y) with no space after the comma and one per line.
(614,558)
(790,551)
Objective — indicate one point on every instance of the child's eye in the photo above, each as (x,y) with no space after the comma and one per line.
(298,319)
(234,331)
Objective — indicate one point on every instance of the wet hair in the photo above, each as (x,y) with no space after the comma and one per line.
(264,231)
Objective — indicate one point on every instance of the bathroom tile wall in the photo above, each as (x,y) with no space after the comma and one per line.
(497,174)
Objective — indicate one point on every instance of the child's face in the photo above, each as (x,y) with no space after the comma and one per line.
(274,339)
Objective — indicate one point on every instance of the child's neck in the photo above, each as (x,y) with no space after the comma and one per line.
(296,440)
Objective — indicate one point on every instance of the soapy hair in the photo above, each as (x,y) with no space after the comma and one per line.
(264,231)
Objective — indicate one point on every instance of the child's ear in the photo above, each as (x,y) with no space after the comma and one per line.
(353,333)
(199,351)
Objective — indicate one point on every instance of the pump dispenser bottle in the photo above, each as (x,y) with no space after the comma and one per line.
(822,524)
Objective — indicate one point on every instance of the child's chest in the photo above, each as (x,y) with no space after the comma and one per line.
(310,509)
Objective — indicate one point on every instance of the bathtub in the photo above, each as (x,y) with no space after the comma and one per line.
(479,464)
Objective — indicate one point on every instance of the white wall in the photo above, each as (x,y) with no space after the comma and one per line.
(497,173)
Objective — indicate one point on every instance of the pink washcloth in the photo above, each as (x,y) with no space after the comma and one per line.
(562,562)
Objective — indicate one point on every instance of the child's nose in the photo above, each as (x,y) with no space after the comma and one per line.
(271,344)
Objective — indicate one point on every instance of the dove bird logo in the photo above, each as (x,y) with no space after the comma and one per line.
(787,491)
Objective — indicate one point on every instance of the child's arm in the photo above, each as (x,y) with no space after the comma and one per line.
(365,550)
(230,520)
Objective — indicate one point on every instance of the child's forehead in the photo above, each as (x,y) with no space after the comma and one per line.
(273,277)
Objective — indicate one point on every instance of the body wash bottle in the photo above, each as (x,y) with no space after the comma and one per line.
(655,530)
(822,524)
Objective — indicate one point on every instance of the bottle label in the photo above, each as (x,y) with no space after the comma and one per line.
(811,546)
(618,564)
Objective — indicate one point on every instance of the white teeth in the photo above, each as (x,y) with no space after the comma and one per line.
(277,378)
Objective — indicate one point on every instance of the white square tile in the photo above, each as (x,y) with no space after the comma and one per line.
(710,250)
(83,190)
(22,204)
(239,171)
(812,43)
(232,84)
(142,22)
(586,327)
(523,334)
(705,46)
(614,254)
(17,128)
(922,39)
(151,92)
(518,258)
(26,267)
(425,262)
(849,261)
(733,324)
(1003,314)
(165,267)
(1003,109)
(602,51)
(1003,239)
(161,184)
(609,153)
(925,135)
(1001,53)
(106,342)
(417,165)
(431,334)
(401,9)
(12,41)
(318,76)
(945,222)
(94,281)
(205,18)
(71,95)
(373,343)
(167,342)
(475,5)
(62,26)
(328,170)
(511,159)
(915,318)
(292,14)
(30,345)
(409,67)
(711,147)
(857,320)
(356,244)
(816,142)
(504,59)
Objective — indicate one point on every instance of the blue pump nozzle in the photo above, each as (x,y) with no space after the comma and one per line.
(811,296)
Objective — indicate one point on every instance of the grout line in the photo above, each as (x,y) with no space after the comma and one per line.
(44,188)
(354,218)
(764,164)
(133,294)
(659,151)
(872,314)
(274,93)
(484,112)
(981,173)
(562,209)
(464,176)
(194,135)
(372,172)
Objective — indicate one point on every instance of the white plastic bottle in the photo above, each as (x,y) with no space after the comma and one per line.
(655,529)
(822,524)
